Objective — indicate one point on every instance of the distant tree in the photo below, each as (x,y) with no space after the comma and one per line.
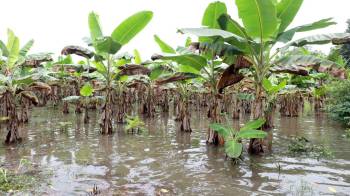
(345,49)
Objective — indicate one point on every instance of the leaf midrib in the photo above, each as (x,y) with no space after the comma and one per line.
(260,20)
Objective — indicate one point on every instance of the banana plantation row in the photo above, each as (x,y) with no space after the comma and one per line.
(235,67)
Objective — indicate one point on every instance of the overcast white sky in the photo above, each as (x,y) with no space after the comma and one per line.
(57,23)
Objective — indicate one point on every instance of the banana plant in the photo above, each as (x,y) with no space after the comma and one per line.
(206,67)
(264,24)
(233,138)
(109,66)
(272,91)
(17,85)
(62,86)
(78,73)
(105,49)
(134,124)
(86,99)
(181,75)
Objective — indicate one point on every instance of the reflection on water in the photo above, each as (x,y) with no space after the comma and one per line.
(163,158)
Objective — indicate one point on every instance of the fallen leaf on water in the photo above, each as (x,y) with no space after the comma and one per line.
(4,118)
(164,191)
(331,189)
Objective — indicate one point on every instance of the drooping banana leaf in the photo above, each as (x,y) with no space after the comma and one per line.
(77,50)
(301,64)
(318,39)
(341,41)
(132,69)
(231,75)
(35,60)
(302,60)
(225,51)
(30,96)
(176,77)
(288,35)
(292,69)
(41,86)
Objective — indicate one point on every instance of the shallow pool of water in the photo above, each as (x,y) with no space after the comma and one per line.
(165,161)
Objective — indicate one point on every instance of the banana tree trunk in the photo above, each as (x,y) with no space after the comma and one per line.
(120,110)
(65,108)
(86,114)
(256,145)
(165,101)
(150,103)
(24,110)
(236,107)
(185,116)
(318,103)
(106,118)
(290,104)
(12,126)
(78,106)
(269,114)
(214,116)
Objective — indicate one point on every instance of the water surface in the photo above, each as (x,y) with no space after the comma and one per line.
(165,161)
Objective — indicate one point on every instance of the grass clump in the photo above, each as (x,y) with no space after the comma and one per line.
(20,179)
(11,181)
(302,146)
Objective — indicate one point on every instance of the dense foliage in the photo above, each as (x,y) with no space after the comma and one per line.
(339,101)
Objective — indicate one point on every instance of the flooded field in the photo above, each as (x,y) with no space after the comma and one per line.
(71,158)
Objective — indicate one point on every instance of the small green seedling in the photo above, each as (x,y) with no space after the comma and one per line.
(233,138)
(134,124)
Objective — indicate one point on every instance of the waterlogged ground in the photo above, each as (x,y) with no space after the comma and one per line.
(164,161)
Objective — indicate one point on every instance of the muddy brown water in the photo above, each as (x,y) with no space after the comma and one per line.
(164,161)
